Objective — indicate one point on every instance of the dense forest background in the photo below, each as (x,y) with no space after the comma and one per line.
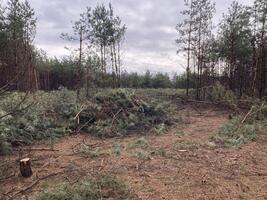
(232,52)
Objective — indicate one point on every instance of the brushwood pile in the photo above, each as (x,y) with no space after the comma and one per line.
(50,115)
(121,112)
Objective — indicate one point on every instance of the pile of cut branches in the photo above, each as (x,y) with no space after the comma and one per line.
(121,112)
(242,129)
(41,116)
(50,115)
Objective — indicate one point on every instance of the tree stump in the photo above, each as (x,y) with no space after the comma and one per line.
(25,167)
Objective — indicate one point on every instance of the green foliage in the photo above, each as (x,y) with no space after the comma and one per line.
(102,187)
(219,93)
(40,116)
(17,32)
(184,145)
(148,80)
(180,81)
(160,152)
(142,155)
(241,130)
(117,148)
(161,128)
(4,145)
(50,115)
(258,112)
(140,142)
(235,135)
(121,112)
(89,151)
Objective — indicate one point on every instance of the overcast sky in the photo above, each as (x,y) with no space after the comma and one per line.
(149,41)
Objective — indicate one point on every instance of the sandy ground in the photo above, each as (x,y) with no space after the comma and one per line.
(181,164)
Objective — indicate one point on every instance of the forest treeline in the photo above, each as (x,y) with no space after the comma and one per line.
(63,73)
(232,52)
(235,50)
(98,31)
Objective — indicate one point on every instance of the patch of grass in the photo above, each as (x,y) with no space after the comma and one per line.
(89,151)
(179,133)
(101,187)
(140,142)
(116,149)
(142,155)
(160,152)
(164,154)
(4,145)
(160,129)
(186,145)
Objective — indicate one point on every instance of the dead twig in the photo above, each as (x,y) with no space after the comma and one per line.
(114,116)
(7,177)
(82,109)
(9,192)
(88,122)
(247,115)
(34,184)
(36,149)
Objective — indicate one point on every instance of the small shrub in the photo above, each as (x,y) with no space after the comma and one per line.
(140,142)
(89,151)
(117,148)
(4,145)
(218,93)
(179,133)
(184,145)
(142,155)
(160,129)
(160,152)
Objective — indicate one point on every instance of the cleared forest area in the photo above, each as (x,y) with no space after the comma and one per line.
(126,148)
(81,127)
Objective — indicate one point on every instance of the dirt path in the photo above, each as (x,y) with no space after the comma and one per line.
(181,164)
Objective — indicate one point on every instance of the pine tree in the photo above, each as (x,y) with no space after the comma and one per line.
(185,30)
(194,35)
(235,45)
(261,38)
(18,28)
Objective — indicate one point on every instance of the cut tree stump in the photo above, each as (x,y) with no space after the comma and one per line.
(25,167)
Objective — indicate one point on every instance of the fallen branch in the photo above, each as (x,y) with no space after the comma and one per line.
(7,177)
(114,116)
(36,149)
(34,183)
(247,115)
(88,122)
(82,109)
(204,102)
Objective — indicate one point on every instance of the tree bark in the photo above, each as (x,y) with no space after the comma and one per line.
(25,167)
